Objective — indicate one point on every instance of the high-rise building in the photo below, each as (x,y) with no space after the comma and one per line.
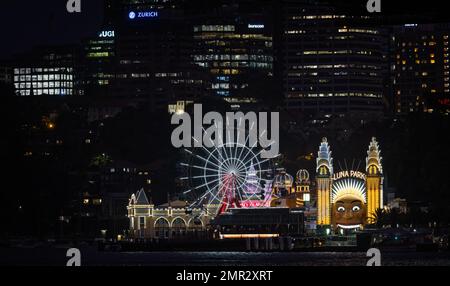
(171,50)
(332,63)
(153,42)
(46,71)
(99,62)
(234,46)
(5,74)
(420,66)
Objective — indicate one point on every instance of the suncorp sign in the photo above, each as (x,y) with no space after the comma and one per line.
(256,26)
(142,14)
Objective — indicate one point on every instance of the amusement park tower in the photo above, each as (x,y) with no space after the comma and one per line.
(324,172)
(374,181)
(348,199)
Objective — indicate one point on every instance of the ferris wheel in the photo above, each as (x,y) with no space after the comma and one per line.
(231,175)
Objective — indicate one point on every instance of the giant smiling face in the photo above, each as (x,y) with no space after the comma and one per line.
(349,211)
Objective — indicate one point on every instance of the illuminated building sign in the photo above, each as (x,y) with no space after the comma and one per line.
(144,14)
(256,26)
(347,174)
(254,203)
(106,34)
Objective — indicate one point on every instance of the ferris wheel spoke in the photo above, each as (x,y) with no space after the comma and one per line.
(202,185)
(198,167)
(259,153)
(238,194)
(240,183)
(237,140)
(219,195)
(226,170)
(214,145)
(222,146)
(254,145)
(229,145)
(265,170)
(212,155)
(259,165)
(204,195)
(198,177)
(206,161)
(249,151)
(245,144)
(242,166)
(219,188)
(215,195)
(225,164)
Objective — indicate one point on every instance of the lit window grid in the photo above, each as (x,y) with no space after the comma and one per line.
(51,81)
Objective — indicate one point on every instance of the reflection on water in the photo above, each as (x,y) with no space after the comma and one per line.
(90,256)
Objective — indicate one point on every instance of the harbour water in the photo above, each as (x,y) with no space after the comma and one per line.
(90,256)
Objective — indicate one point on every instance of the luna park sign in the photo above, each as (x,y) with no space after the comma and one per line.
(349,174)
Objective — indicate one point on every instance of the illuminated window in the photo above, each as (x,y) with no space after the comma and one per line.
(97,201)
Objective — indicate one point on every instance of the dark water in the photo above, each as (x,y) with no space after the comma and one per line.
(91,257)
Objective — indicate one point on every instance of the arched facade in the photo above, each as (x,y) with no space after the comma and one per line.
(161,227)
(169,221)
(348,199)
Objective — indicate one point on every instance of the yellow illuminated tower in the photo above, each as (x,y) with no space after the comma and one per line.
(374,180)
(324,172)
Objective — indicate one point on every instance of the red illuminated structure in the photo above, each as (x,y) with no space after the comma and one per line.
(228,192)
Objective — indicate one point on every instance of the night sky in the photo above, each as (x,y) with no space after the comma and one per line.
(27,23)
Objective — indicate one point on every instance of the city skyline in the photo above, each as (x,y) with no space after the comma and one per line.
(145,127)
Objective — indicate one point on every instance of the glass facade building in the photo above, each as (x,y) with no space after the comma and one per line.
(232,55)
(420,66)
(46,71)
(171,50)
(48,81)
(332,63)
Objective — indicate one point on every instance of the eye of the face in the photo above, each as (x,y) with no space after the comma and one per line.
(356,208)
(341,209)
